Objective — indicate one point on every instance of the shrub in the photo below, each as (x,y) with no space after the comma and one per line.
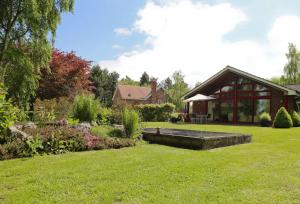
(175,117)
(282,119)
(105,116)
(57,140)
(130,122)
(156,112)
(7,114)
(85,108)
(296,119)
(265,119)
(13,149)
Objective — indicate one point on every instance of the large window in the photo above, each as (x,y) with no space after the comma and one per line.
(226,111)
(261,105)
(244,111)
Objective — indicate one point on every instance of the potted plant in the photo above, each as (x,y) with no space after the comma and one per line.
(265,119)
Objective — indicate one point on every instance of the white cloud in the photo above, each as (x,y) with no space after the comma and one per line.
(123,31)
(190,36)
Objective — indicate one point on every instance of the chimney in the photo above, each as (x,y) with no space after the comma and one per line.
(153,91)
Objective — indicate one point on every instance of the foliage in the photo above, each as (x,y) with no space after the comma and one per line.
(25,45)
(68,75)
(145,79)
(265,116)
(109,116)
(265,119)
(104,84)
(177,90)
(107,131)
(13,149)
(279,80)
(282,119)
(176,117)
(55,140)
(7,113)
(167,83)
(52,109)
(155,112)
(296,119)
(130,120)
(292,68)
(128,81)
(85,108)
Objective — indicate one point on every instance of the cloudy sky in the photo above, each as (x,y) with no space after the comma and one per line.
(197,37)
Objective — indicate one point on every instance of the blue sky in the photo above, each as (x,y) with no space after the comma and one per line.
(256,26)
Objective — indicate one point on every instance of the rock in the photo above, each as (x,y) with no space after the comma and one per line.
(29,125)
(16,133)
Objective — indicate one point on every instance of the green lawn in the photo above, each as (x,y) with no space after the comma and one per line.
(264,171)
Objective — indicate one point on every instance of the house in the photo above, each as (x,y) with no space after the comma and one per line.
(135,95)
(240,97)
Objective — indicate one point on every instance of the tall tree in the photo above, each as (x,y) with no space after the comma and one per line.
(128,81)
(167,83)
(145,79)
(68,74)
(292,68)
(25,45)
(104,84)
(177,90)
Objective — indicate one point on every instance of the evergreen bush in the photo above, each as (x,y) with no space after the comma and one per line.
(282,119)
(296,119)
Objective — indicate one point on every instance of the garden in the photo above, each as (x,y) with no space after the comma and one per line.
(259,172)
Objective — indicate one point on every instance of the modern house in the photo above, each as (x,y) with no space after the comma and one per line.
(135,95)
(236,96)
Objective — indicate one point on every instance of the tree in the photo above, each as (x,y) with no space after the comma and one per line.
(25,46)
(68,74)
(167,83)
(292,68)
(145,79)
(104,84)
(128,81)
(177,90)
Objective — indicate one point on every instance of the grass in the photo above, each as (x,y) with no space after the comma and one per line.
(264,171)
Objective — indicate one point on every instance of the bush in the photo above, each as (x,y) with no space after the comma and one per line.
(56,140)
(7,114)
(85,108)
(130,122)
(13,149)
(282,119)
(105,116)
(53,109)
(156,112)
(296,119)
(175,117)
(265,119)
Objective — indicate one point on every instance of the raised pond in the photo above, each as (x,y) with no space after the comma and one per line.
(194,139)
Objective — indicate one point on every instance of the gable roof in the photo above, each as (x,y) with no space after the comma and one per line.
(295,87)
(241,73)
(133,92)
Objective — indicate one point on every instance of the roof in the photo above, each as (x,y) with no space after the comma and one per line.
(133,92)
(295,87)
(289,91)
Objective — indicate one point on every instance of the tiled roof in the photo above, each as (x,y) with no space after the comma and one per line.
(133,92)
(295,87)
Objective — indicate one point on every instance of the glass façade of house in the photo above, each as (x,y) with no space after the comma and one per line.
(240,97)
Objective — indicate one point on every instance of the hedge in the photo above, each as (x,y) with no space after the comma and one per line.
(155,112)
